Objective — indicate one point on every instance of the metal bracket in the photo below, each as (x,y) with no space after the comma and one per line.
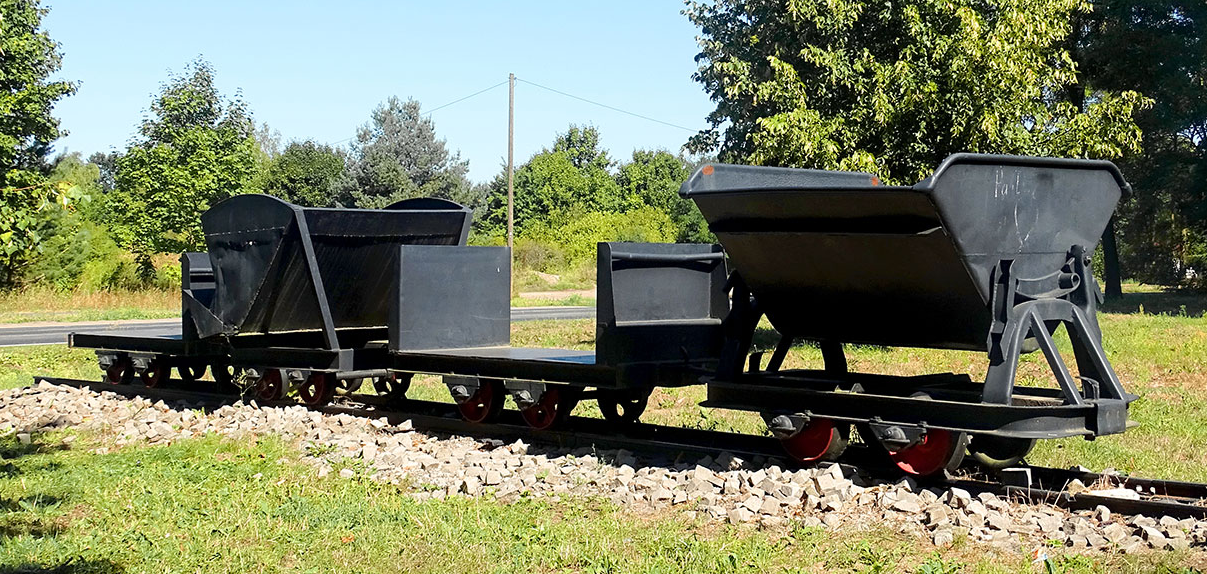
(895,436)
(461,388)
(784,426)
(524,393)
(739,328)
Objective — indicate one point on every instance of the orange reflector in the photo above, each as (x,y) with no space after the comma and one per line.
(707,170)
(875,180)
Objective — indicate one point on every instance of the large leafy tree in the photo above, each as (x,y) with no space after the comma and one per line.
(1159,48)
(306,173)
(894,87)
(398,156)
(28,57)
(570,177)
(653,178)
(193,149)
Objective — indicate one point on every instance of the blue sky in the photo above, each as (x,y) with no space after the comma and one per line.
(316,69)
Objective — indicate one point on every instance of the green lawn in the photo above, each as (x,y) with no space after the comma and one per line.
(215,505)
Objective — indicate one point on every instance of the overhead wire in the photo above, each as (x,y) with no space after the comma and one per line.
(554,90)
(442,106)
(606,106)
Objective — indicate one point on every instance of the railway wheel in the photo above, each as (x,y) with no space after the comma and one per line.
(318,389)
(270,386)
(485,404)
(552,408)
(156,374)
(191,373)
(936,452)
(623,407)
(821,440)
(393,387)
(995,453)
(120,371)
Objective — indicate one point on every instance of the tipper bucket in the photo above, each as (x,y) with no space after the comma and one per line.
(279,267)
(833,256)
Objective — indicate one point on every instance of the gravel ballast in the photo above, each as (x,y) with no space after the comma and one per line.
(725,488)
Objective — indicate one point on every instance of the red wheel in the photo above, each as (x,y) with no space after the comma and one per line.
(270,386)
(318,389)
(551,408)
(157,373)
(820,440)
(485,404)
(120,372)
(939,450)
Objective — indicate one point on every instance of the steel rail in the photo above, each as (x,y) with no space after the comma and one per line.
(676,446)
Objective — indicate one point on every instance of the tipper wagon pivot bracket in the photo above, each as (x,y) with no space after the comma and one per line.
(1020,316)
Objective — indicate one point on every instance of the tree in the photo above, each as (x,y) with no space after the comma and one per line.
(1159,48)
(397,156)
(653,178)
(306,173)
(106,163)
(195,148)
(28,57)
(894,87)
(570,177)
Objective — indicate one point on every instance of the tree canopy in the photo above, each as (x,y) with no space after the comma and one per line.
(398,156)
(1159,48)
(28,57)
(194,149)
(893,88)
(306,173)
(571,176)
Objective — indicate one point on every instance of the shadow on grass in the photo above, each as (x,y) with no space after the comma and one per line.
(27,503)
(12,449)
(72,566)
(1172,302)
(17,517)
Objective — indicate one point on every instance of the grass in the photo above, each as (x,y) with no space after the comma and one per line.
(42,304)
(218,505)
(572,300)
(18,365)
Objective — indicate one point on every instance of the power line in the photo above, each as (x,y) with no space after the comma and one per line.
(615,109)
(442,106)
(459,100)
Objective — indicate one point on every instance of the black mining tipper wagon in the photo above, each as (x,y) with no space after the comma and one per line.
(990,254)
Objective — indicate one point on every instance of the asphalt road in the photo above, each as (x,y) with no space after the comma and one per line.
(53,333)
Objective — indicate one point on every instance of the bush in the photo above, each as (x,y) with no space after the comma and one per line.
(577,234)
(539,255)
(82,255)
(167,272)
(109,271)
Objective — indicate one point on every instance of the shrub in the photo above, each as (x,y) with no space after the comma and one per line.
(578,234)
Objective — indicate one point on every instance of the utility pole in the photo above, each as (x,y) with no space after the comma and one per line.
(510,159)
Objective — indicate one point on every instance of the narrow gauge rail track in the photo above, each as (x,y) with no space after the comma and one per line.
(673,444)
